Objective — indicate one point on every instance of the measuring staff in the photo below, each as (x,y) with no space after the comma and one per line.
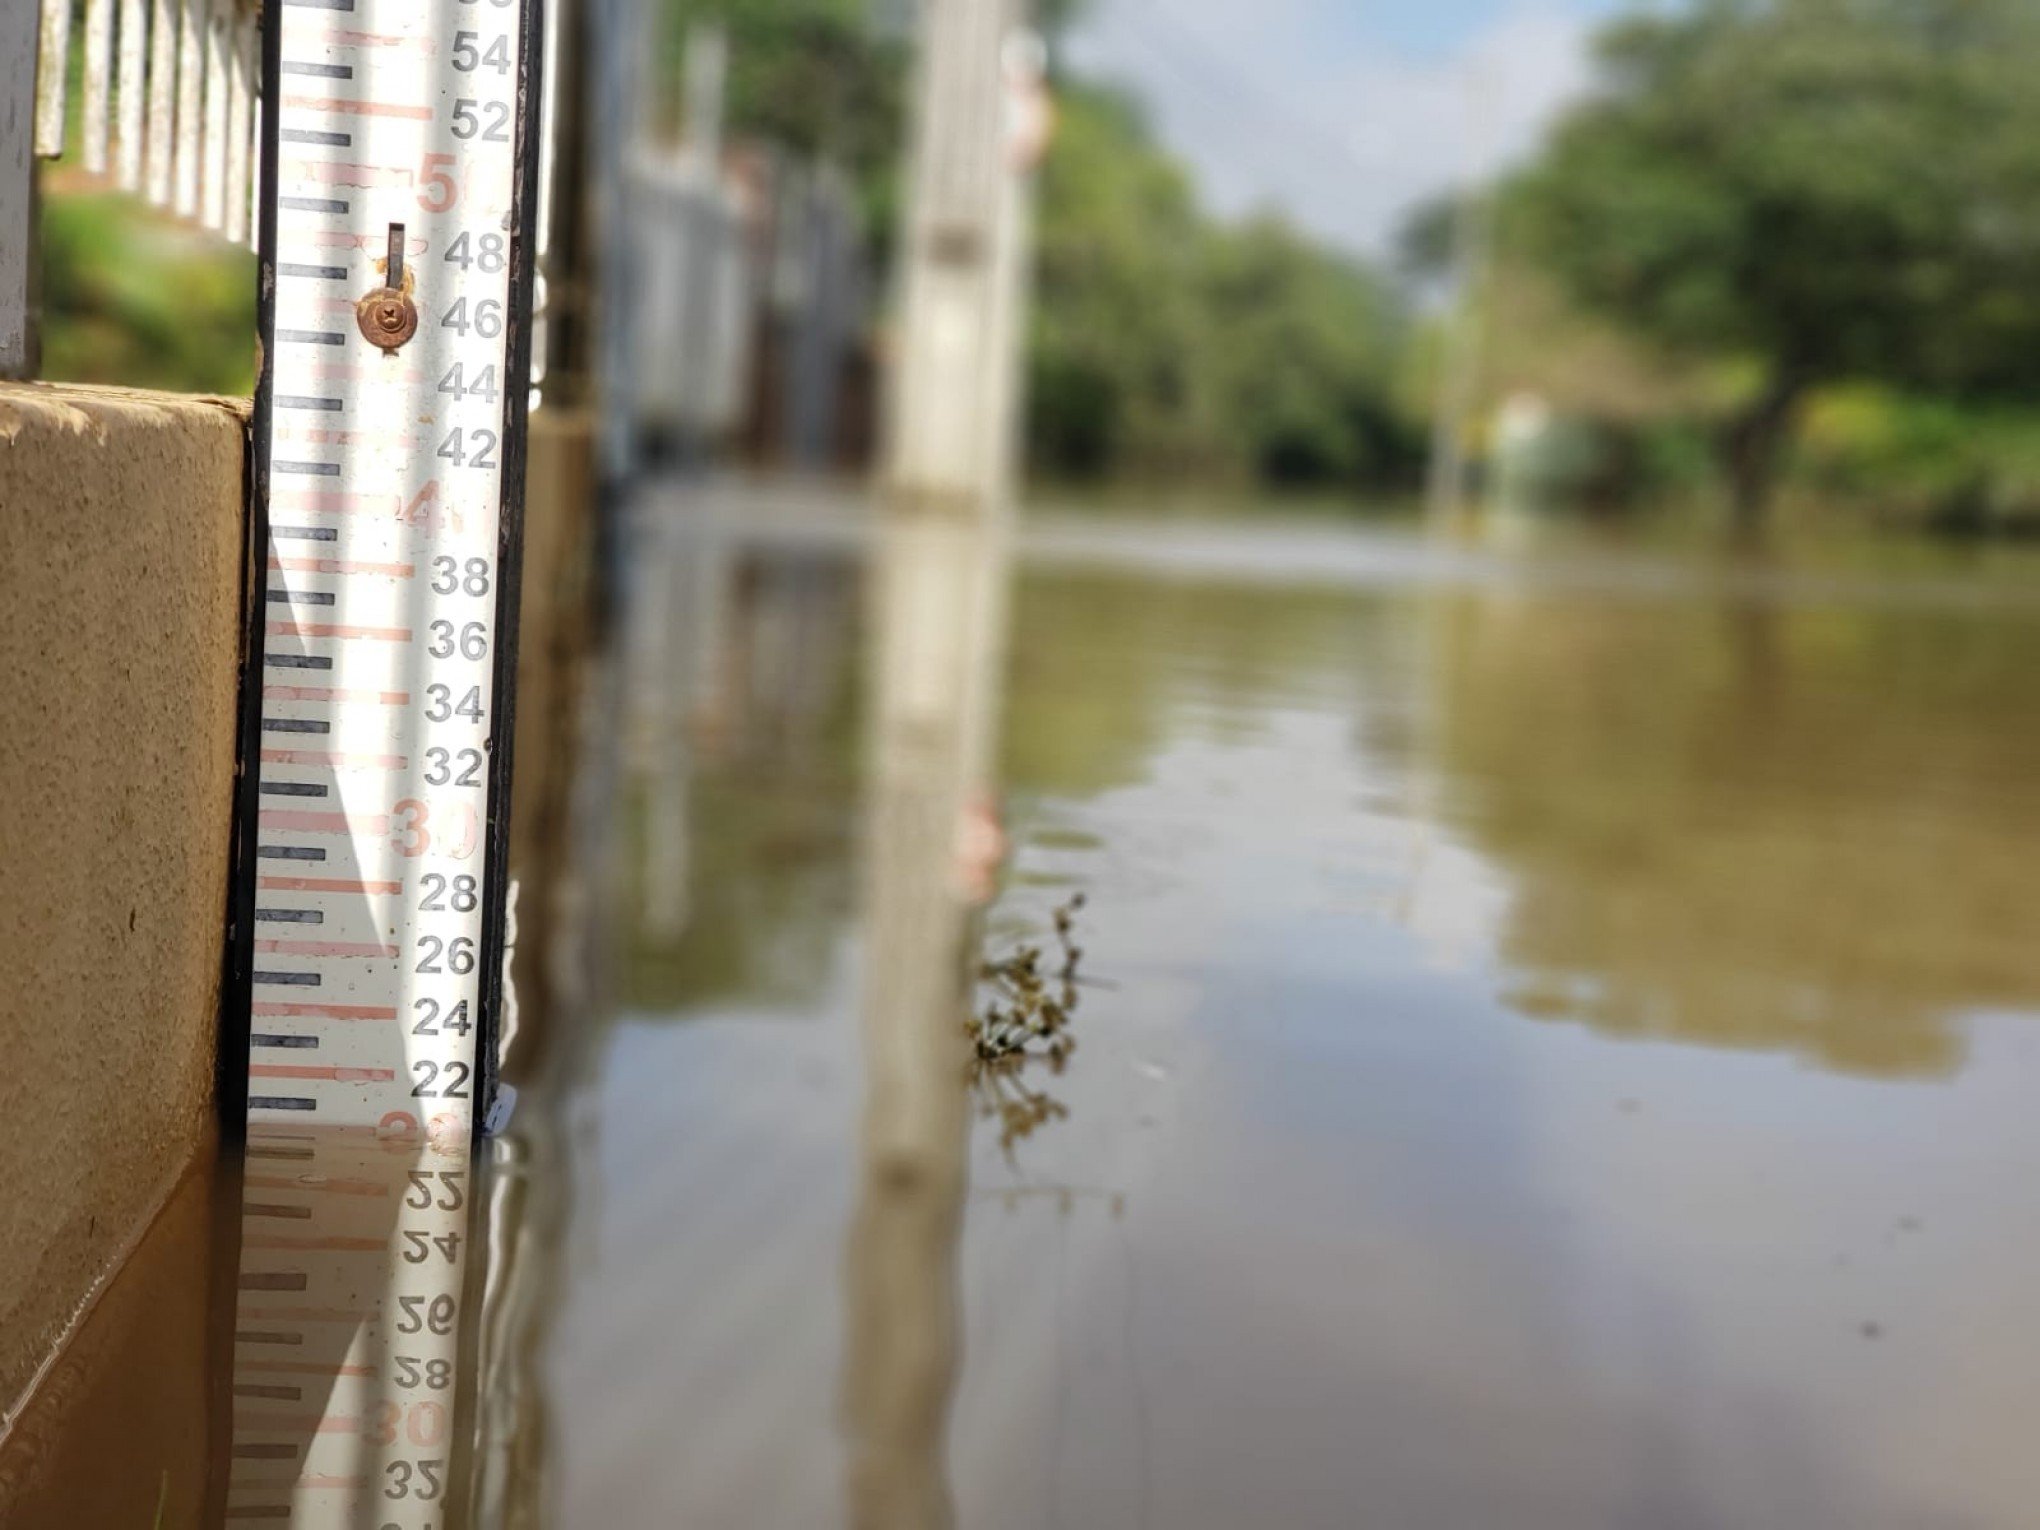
(398,188)
(397,199)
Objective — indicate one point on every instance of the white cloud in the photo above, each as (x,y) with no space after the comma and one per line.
(1280,102)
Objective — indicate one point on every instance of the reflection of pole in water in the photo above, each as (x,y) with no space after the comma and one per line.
(936,652)
(666,847)
(655,762)
(939,610)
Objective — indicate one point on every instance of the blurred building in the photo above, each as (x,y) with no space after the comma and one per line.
(749,324)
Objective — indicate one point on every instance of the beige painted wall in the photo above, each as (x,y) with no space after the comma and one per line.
(120,588)
(120,585)
(125,1429)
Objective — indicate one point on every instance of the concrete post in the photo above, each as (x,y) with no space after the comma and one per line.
(1459,367)
(950,430)
(121,554)
(940,596)
(18,35)
(1459,381)
(946,498)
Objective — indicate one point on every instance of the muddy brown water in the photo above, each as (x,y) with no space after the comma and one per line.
(1561,1052)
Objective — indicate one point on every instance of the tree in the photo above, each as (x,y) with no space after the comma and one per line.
(1163,344)
(1303,348)
(1170,346)
(1114,381)
(1830,190)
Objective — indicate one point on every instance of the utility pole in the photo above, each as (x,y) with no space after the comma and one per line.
(952,435)
(946,487)
(945,496)
(952,403)
(1459,366)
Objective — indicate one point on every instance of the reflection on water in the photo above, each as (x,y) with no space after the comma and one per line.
(1567,1062)
(937,598)
(1341,1225)
(1753,824)
(739,809)
(353,1399)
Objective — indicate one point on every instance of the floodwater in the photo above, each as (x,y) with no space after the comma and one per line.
(1556,1048)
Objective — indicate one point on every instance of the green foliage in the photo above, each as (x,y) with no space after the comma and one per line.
(1167,345)
(1164,346)
(1303,348)
(1850,188)
(1113,359)
(129,297)
(1929,462)
(1835,190)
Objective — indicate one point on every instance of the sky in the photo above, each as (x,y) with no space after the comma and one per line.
(1344,114)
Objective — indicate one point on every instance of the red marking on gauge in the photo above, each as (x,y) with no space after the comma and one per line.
(346,108)
(340,566)
(324,948)
(333,172)
(332,693)
(330,1075)
(317,502)
(341,761)
(339,630)
(374,824)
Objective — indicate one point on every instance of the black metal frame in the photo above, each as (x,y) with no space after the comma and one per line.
(230,1064)
(237,993)
(509,560)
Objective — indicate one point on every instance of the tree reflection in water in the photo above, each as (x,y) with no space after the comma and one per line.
(1758,824)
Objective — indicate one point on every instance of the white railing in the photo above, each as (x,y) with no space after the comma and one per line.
(169,108)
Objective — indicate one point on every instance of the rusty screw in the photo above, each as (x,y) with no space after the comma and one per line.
(387,318)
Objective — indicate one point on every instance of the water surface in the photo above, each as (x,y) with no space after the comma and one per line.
(1559,1052)
(1567,1059)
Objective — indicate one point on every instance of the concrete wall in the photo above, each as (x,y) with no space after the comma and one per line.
(129,1427)
(121,569)
(120,588)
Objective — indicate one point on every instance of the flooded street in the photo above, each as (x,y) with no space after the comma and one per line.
(1555,1044)
(1561,1054)
(1001,765)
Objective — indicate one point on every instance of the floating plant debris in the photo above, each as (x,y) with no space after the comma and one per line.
(1028,1000)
